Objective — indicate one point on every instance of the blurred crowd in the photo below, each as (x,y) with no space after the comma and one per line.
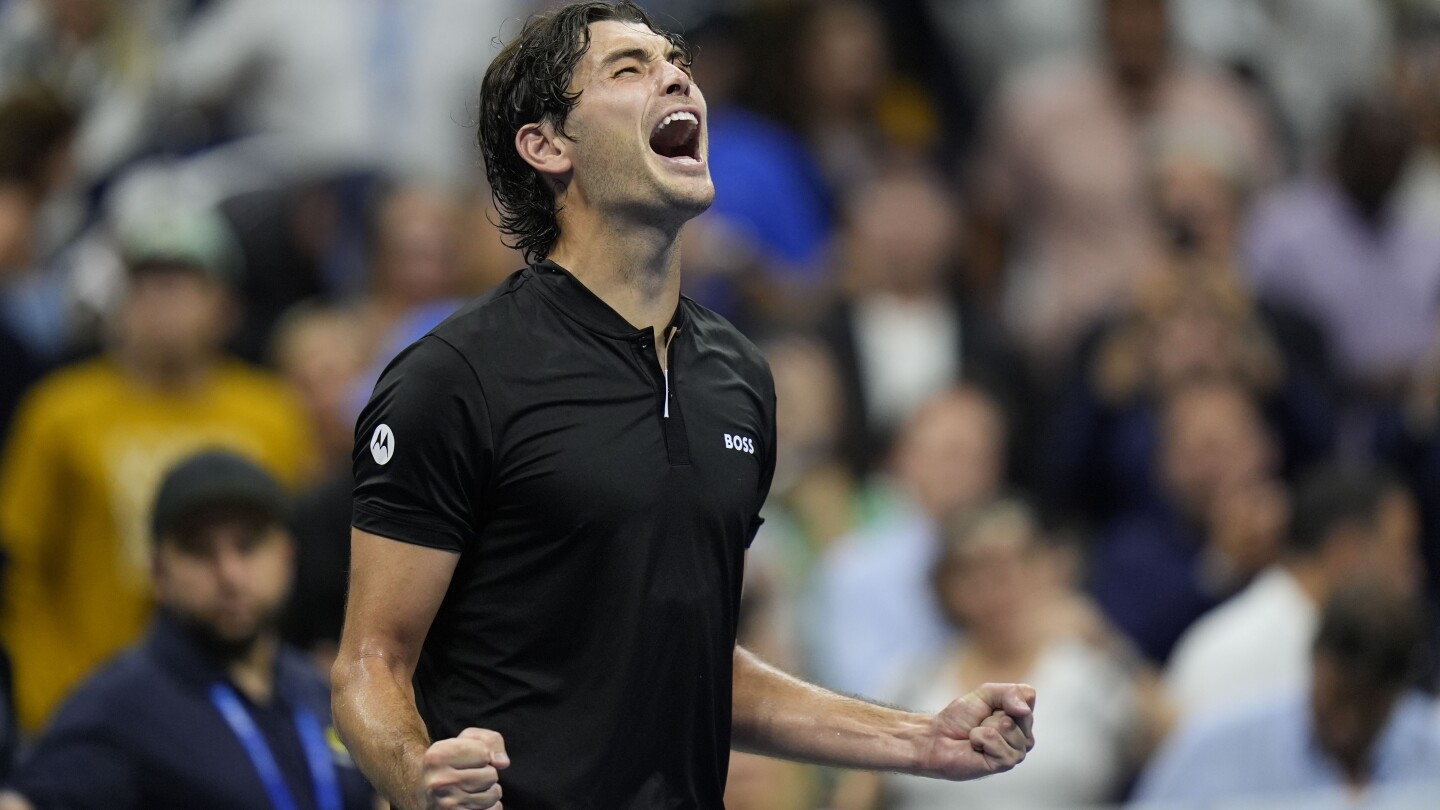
(1106,338)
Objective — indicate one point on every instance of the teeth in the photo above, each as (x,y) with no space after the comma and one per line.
(678,116)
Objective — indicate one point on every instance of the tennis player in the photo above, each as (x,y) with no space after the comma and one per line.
(555,490)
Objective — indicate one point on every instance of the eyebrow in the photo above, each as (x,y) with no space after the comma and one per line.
(641,54)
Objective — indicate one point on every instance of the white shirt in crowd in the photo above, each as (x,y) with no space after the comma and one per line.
(351,82)
(1088,733)
(1256,643)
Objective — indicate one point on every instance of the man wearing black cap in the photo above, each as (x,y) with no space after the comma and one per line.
(92,441)
(210,710)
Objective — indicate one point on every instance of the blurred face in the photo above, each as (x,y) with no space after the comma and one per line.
(1138,34)
(321,358)
(173,316)
(807,393)
(17,230)
(985,579)
(1199,207)
(80,18)
(417,257)
(1388,551)
(638,132)
(1349,715)
(951,456)
(1214,439)
(844,60)
(226,575)
(902,235)
(1372,154)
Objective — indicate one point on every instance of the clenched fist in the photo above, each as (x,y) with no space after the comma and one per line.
(988,731)
(463,773)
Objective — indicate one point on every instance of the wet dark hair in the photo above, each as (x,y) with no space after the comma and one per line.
(528,83)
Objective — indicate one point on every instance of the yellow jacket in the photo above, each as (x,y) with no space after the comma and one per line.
(87,451)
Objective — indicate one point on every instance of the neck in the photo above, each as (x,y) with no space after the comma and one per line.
(1310,575)
(254,670)
(633,268)
(167,374)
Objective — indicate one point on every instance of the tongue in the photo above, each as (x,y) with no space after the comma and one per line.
(672,140)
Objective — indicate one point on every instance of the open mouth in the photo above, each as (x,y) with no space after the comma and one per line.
(677,136)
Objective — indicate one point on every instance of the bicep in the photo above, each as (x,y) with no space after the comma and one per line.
(395,590)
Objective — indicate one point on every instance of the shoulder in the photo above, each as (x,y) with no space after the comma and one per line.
(492,318)
(112,698)
(716,334)
(84,386)
(1222,753)
(301,681)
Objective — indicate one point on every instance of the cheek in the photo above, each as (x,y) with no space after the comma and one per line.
(185,585)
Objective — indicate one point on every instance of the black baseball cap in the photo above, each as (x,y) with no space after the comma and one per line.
(215,478)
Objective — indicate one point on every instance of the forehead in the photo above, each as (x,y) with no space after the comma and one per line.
(610,36)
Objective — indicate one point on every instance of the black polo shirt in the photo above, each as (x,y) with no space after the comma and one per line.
(601,513)
(143,733)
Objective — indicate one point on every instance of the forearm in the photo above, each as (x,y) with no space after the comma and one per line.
(779,715)
(375,715)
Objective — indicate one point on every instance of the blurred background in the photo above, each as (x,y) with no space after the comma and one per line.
(1104,332)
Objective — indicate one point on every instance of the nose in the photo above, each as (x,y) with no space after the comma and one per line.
(677,81)
(230,566)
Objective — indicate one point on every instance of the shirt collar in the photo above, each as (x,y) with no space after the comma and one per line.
(173,648)
(571,296)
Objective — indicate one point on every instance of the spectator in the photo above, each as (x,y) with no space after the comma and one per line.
(341,84)
(1347,525)
(1218,520)
(102,56)
(36,129)
(1187,320)
(759,251)
(168,723)
(875,607)
(1417,78)
(1409,439)
(901,332)
(1307,57)
(92,440)
(1330,247)
(415,276)
(1358,729)
(1005,596)
(814,500)
(836,85)
(1063,212)
(320,351)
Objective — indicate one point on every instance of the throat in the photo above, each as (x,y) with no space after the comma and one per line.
(254,672)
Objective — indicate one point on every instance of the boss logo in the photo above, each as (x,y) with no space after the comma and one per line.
(742,443)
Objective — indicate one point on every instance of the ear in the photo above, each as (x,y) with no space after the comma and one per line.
(546,151)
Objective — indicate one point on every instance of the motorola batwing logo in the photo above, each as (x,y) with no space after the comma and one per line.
(382,444)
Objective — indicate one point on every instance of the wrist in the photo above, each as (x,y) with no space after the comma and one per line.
(914,736)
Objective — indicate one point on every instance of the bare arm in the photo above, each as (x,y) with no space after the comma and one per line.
(987,731)
(395,590)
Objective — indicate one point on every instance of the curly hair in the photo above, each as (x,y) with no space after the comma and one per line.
(527,83)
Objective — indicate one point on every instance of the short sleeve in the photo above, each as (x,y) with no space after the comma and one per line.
(767,468)
(424,449)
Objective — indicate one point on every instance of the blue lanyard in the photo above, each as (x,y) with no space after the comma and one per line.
(312,739)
